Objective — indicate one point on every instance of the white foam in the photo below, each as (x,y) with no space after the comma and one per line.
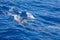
(11,9)
(30,15)
(54,27)
(16,17)
(20,12)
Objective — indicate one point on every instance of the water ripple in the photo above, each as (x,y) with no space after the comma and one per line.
(45,27)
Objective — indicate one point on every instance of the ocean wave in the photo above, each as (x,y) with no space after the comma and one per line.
(45,27)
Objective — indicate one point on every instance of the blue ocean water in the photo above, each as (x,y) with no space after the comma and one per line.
(46,26)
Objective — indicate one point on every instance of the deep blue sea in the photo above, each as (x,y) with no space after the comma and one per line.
(45,27)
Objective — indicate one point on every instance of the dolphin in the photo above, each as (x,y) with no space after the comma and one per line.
(22,17)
